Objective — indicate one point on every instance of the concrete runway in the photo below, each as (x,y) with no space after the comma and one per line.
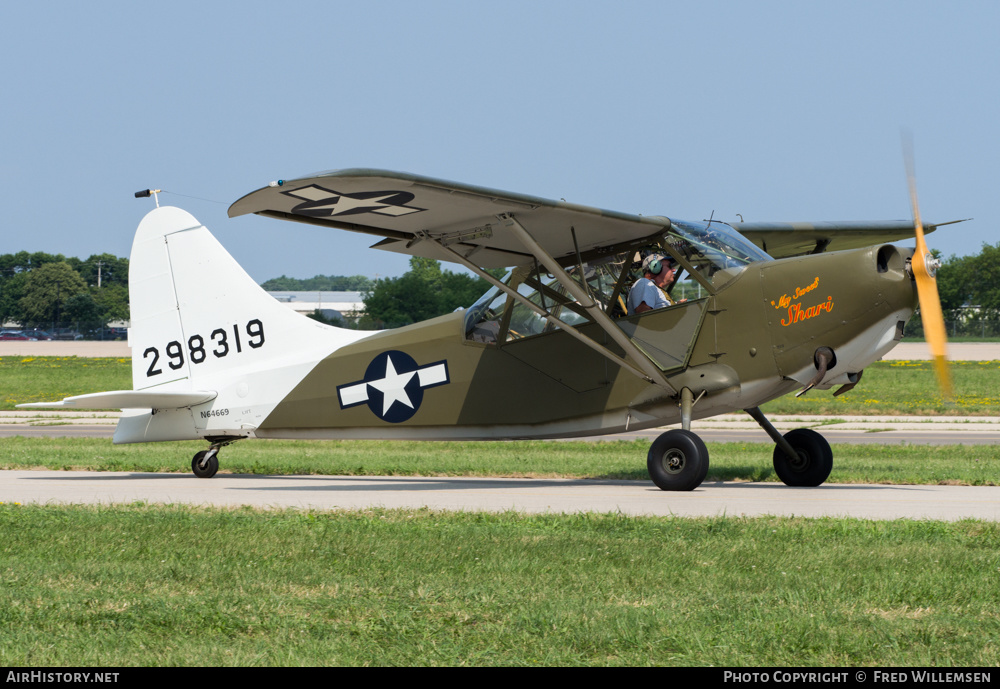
(946,503)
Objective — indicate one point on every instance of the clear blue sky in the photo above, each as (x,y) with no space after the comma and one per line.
(775,110)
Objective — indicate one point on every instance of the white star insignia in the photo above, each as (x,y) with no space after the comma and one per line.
(346,203)
(393,387)
(338,204)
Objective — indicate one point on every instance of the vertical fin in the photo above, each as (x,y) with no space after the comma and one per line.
(197,315)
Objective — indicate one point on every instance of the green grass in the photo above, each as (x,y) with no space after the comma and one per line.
(888,387)
(137,585)
(905,388)
(901,464)
(26,379)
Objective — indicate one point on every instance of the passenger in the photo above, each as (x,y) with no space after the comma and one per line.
(648,292)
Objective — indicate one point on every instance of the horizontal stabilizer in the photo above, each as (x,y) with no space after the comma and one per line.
(129,399)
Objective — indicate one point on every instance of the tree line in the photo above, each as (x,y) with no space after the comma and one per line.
(319,283)
(423,292)
(40,289)
(970,285)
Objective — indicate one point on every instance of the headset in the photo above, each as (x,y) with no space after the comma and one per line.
(656,265)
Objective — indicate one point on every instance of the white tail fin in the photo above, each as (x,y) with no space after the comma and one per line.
(212,353)
(196,314)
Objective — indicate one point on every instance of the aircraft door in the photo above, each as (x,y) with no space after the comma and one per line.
(713,255)
(545,347)
(667,335)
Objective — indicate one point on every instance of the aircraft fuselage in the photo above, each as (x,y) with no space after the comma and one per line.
(752,341)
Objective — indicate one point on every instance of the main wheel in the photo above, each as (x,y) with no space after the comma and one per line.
(203,468)
(813,464)
(677,460)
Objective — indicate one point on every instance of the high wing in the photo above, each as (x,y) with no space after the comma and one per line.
(421,216)
(408,209)
(784,239)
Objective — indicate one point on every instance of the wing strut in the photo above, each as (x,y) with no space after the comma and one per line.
(650,370)
(569,329)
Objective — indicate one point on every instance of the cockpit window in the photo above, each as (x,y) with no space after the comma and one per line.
(713,250)
(482,319)
(712,247)
(489,315)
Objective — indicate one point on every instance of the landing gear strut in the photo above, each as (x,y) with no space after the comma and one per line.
(205,463)
(801,457)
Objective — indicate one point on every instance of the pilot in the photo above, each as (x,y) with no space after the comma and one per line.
(648,291)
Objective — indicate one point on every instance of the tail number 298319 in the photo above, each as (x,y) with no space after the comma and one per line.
(219,345)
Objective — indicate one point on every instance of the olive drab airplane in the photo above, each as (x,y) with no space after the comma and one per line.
(550,351)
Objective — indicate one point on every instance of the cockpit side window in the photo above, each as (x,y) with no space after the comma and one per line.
(483,319)
(713,251)
(497,318)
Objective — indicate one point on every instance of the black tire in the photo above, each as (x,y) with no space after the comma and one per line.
(677,460)
(211,466)
(814,462)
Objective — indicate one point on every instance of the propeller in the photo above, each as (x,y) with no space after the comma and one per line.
(924,267)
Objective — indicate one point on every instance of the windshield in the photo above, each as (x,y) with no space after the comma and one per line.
(711,247)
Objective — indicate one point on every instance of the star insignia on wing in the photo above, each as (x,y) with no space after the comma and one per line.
(319,202)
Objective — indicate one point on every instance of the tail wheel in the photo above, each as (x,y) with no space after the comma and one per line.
(813,461)
(205,463)
(677,460)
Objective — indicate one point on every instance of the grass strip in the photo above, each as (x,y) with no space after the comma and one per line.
(905,388)
(902,464)
(25,379)
(140,585)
